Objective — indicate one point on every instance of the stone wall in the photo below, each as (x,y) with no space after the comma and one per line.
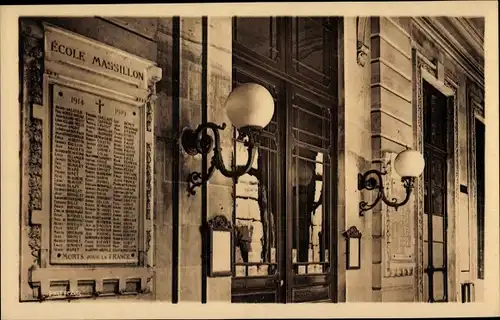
(177,49)
(376,120)
(355,156)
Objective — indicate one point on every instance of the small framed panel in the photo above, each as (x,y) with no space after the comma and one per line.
(353,248)
(219,234)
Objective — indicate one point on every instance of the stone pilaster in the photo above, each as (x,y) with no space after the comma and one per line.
(354,157)
(163,165)
(219,85)
(391,123)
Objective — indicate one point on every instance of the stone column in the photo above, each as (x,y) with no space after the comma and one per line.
(354,157)
(190,206)
(219,82)
(391,122)
(163,165)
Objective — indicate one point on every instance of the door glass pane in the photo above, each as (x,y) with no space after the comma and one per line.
(437,228)
(438,285)
(256,204)
(438,119)
(425,226)
(311,123)
(258,34)
(437,202)
(437,172)
(303,178)
(308,43)
(312,48)
(310,223)
(437,255)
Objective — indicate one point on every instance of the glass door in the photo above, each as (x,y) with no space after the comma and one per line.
(435,209)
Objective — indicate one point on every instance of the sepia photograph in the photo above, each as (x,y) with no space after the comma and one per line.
(248,159)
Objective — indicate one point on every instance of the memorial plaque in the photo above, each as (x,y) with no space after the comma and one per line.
(77,51)
(95,179)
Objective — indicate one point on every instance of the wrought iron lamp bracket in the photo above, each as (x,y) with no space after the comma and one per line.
(372,180)
(200,142)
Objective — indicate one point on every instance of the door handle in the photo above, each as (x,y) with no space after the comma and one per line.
(276,281)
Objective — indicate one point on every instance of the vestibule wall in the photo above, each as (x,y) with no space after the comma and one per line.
(194,56)
(197,61)
(383,116)
(384,62)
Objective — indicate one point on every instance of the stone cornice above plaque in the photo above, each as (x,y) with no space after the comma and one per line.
(80,52)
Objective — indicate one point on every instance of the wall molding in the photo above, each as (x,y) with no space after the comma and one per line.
(398,26)
(391,66)
(437,33)
(392,44)
(381,85)
(466,30)
(392,115)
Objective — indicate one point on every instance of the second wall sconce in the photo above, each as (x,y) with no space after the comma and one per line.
(408,164)
(250,108)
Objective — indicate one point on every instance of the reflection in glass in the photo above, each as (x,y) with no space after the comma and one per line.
(309,223)
(255,212)
(312,48)
(258,34)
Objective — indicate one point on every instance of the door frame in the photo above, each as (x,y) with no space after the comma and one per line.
(435,75)
(475,104)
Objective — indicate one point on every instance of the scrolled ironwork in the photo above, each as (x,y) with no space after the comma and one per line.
(200,142)
(372,180)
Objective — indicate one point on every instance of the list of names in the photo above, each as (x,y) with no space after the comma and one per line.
(95,167)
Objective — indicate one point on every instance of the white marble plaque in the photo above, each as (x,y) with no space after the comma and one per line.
(95,179)
(221,251)
(354,253)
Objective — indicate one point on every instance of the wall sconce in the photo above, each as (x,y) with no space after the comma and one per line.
(249,107)
(408,164)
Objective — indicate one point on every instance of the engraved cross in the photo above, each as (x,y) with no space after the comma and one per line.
(100,104)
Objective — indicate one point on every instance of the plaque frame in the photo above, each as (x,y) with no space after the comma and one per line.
(353,240)
(219,225)
(39,74)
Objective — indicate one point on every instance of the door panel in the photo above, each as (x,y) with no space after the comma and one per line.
(258,210)
(310,141)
